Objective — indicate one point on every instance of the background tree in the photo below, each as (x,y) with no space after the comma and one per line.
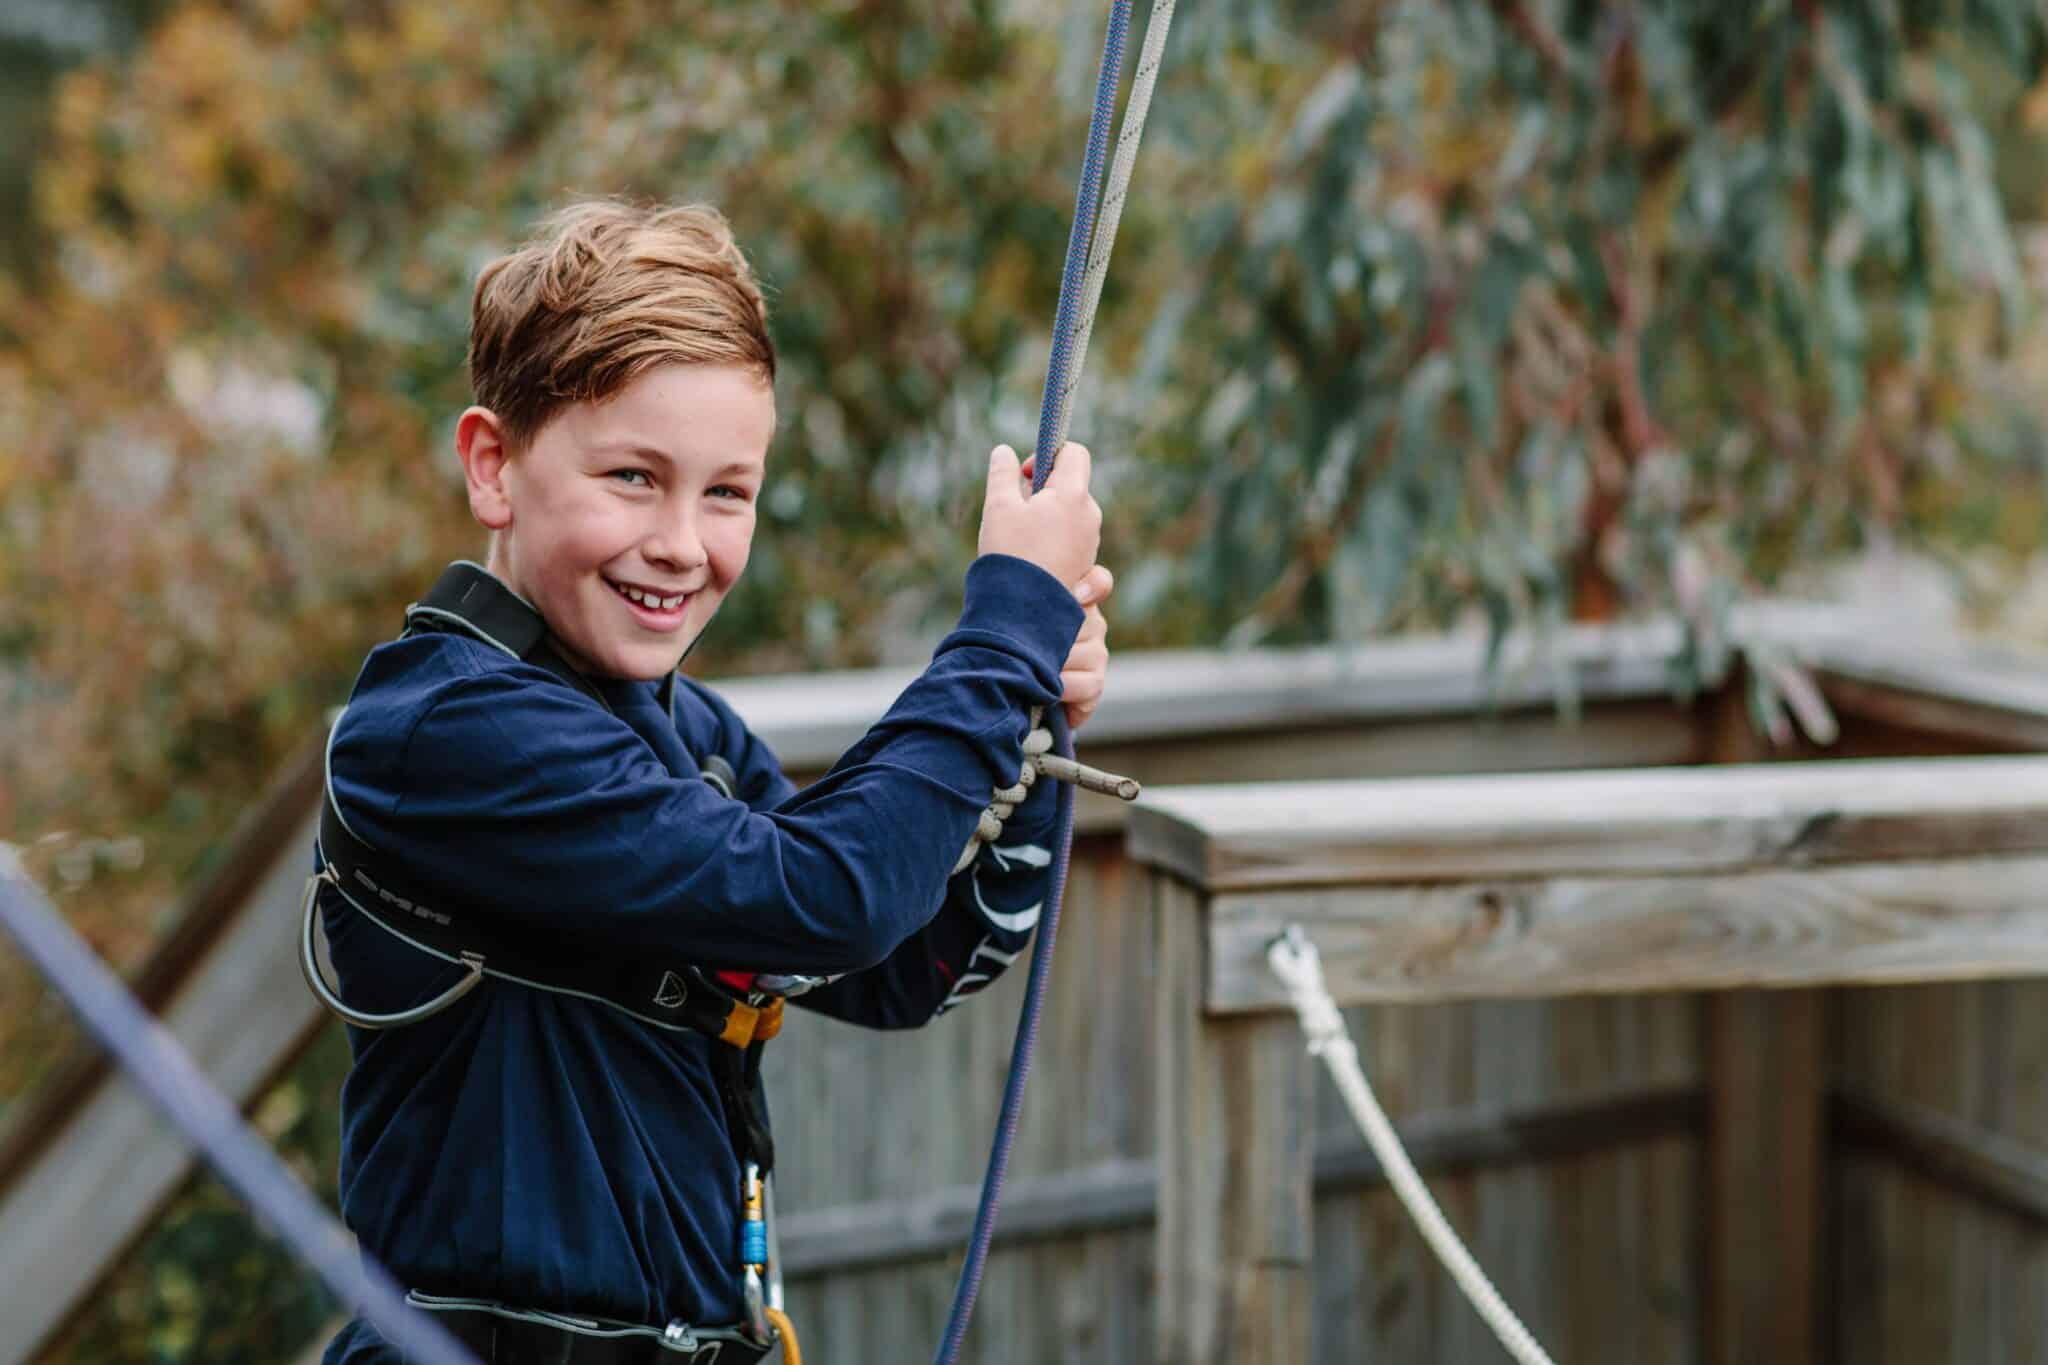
(1529,309)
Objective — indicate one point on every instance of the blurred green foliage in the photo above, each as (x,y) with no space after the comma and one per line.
(1522,309)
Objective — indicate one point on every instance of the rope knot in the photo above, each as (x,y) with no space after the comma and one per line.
(1039,761)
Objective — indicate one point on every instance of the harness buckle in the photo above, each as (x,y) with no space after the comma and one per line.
(748,1024)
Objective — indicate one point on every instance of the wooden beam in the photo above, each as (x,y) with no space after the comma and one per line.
(1174,694)
(1718,819)
(1949,685)
(1235,1233)
(1955,919)
(1764,1197)
(1988,1166)
(1124,1193)
(199,921)
(1618,734)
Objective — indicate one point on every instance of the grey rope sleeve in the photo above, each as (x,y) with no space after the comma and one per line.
(1113,195)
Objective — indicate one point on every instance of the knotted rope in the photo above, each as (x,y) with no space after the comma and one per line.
(1039,761)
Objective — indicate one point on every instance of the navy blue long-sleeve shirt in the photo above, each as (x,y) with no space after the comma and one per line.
(551,1152)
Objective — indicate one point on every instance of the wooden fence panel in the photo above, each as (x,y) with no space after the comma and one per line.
(1597,1250)
(1940,1225)
(865,1118)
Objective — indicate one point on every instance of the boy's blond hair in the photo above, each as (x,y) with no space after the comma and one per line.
(603,292)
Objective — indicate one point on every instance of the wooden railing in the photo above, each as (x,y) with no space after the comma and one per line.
(1808,874)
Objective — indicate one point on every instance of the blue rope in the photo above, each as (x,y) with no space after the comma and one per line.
(1079,236)
(171,1081)
(1046,451)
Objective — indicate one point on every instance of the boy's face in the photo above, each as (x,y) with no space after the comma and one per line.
(626,522)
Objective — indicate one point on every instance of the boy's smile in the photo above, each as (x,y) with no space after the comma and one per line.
(627,521)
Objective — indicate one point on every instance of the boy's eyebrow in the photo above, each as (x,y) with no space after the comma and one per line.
(631,448)
(663,457)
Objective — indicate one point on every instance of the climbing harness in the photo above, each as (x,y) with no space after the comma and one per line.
(739,1013)
(503,1335)
(1295,961)
(1089,239)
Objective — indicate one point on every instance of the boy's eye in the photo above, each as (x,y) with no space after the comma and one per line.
(727,490)
(629,475)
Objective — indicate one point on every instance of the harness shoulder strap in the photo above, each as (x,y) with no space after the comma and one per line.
(469,599)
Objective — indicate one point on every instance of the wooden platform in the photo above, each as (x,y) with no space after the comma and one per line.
(1552,884)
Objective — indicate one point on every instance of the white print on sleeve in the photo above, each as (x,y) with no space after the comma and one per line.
(971,981)
(1016,921)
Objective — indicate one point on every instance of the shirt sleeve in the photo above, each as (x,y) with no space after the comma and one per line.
(534,803)
(990,911)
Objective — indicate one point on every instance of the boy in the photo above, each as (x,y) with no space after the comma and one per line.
(525,798)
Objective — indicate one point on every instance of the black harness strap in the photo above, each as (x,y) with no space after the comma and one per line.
(666,994)
(470,599)
(671,995)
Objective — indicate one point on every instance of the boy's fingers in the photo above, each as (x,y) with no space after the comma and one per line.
(1002,477)
(1095,586)
(1071,470)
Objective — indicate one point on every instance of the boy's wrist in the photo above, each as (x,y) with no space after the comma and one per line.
(1013,597)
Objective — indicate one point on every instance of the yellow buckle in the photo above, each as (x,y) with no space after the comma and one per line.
(746,1024)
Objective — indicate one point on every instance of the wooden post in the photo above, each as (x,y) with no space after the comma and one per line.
(1765,1164)
(1766,1130)
(1235,1117)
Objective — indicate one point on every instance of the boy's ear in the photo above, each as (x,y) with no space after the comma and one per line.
(480,443)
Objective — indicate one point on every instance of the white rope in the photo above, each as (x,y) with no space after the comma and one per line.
(1113,195)
(1295,961)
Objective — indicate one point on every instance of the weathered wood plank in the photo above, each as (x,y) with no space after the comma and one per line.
(1970,689)
(814,718)
(1966,1157)
(1617,735)
(1124,1193)
(1765,1159)
(1239,837)
(1874,922)
(1234,1123)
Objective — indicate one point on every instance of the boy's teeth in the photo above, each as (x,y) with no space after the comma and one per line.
(648,599)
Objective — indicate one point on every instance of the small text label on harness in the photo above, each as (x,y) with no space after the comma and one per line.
(410,907)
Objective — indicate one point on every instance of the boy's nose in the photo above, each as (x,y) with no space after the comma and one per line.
(677,544)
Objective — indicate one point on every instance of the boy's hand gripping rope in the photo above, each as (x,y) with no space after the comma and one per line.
(1294,960)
